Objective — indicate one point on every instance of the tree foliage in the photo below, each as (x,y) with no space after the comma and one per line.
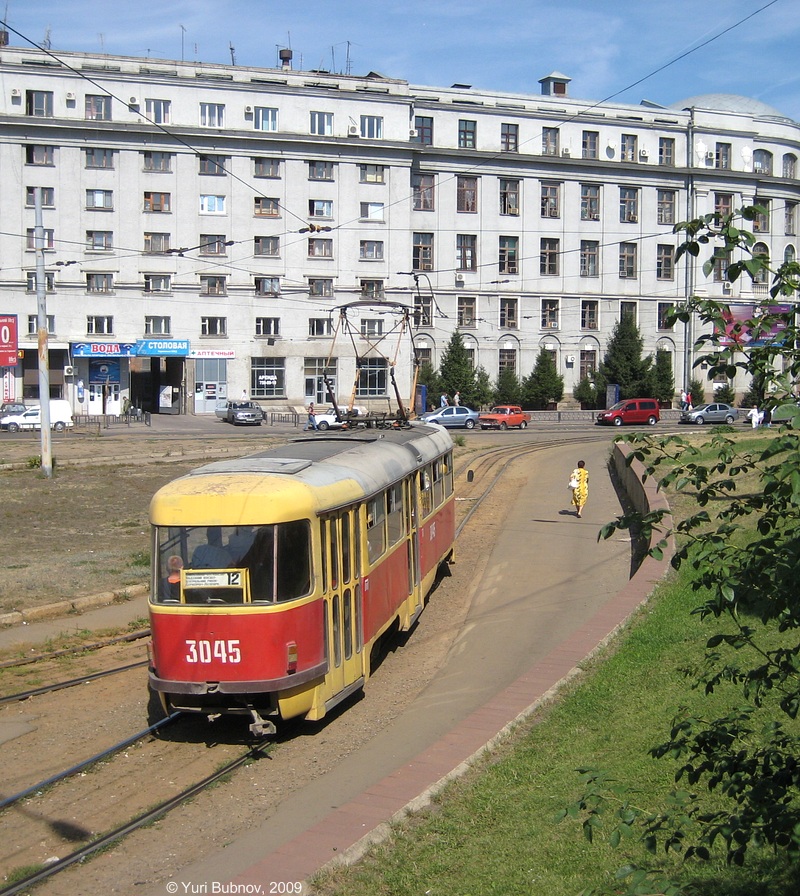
(544,384)
(507,389)
(456,373)
(748,756)
(661,383)
(623,363)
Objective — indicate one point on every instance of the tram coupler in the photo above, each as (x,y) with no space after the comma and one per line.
(261,727)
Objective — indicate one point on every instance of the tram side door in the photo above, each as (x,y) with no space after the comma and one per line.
(343,599)
(412,514)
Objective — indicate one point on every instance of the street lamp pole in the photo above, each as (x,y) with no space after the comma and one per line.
(41,325)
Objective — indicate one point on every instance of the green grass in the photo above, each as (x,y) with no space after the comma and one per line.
(494,830)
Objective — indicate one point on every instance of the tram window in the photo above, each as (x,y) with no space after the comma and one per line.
(334,553)
(346,547)
(376,527)
(395,519)
(337,631)
(438,485)
(447,466)
(348,625)
(294,561)
(324,548)
(425,492)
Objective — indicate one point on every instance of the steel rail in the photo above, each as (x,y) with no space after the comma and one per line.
(72,682)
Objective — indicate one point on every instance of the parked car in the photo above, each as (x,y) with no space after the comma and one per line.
(717,412)
(12,408)
(504,416)
(244,412)
(60,417)
(631,411)
(786,411)
(453,417)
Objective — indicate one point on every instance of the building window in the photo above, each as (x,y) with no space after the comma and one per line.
(49,278)
(423,192)
(550,141)
(213,326)
(98,158)
(627,310)
(761,251)
(39,103)
(157,282)
(509,313)
(628,146)
(627,260)
(422,252)
(158,111)
(266,168)
(372,127)
(320,208)
(467,133)
(265,118)
(629,204)
(267,245)
(371,327)
(590,314)
(762,162)
(212,165)
(212,285)
(99,325)
(320,248)
(508,255)
(212,205)
(372,174)
(321,287)
(722,156)
(213,244)
(99,240)
(467,311)
(664,311)
(723,205)
(666,151)
(509,137)
(466,252)
(266,207)
(372,289)
(103,283)
(156,202)
(590,141)
(549,256)
(550,200)
(507,360)
(157,325)
(590,202)
(790,166)
(157,161)
(48,235)
(267,286)
(790,218)
(371,211)
(666,206)
(321,124)
(100,199)
(722,260)
(268,326)
(212,115)
(97,108)
(423,310)
(509,197)
(39,155)
(156,243)
(318,170)
(588,365)
(268,377)
(48,197)
(33,324)
(665,262)
(370,250)
(423,125)
(372,379)
(590,258)
(320,326)
(467,194)
(761,219)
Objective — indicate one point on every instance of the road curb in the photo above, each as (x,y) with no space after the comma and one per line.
(76,605)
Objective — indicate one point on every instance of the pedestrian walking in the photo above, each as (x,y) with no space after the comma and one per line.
(579,483)
(755,416)
(684,400)
(312,419)
(444,401)
(457,399)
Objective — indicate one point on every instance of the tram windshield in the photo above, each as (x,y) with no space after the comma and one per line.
(232,564)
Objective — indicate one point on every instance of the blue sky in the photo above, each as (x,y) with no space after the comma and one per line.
(605,46)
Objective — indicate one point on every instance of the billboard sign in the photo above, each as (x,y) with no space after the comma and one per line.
(9,343)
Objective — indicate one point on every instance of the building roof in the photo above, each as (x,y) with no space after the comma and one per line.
(731,102)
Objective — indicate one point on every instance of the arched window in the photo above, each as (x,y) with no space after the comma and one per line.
(789,254)
(763,274)
(790,165)
(762,161)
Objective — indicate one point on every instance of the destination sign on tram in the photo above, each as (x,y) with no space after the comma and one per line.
(213,579)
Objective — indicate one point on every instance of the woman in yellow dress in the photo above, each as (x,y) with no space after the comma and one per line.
(580,490)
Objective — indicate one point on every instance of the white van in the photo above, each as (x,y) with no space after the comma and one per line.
(60,417)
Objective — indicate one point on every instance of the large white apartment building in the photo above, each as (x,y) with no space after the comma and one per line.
(203,225)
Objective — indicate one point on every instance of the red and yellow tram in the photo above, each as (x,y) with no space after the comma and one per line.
(275,575)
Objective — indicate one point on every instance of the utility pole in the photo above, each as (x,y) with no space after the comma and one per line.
(44,353)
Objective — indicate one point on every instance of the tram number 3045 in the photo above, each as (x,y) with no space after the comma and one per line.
(206,651)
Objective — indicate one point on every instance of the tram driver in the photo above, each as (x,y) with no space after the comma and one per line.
(212,554)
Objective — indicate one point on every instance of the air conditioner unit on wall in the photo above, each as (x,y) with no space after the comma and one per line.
(459,278)
(248,110)
(70,96)
(133,101)
(710,155)
(16,92)
(353,130)
(413,133)
(644,153)
(570,359)
(69,370)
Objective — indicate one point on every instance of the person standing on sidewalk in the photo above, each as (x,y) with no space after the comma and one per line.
(579,483)
(312,419)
